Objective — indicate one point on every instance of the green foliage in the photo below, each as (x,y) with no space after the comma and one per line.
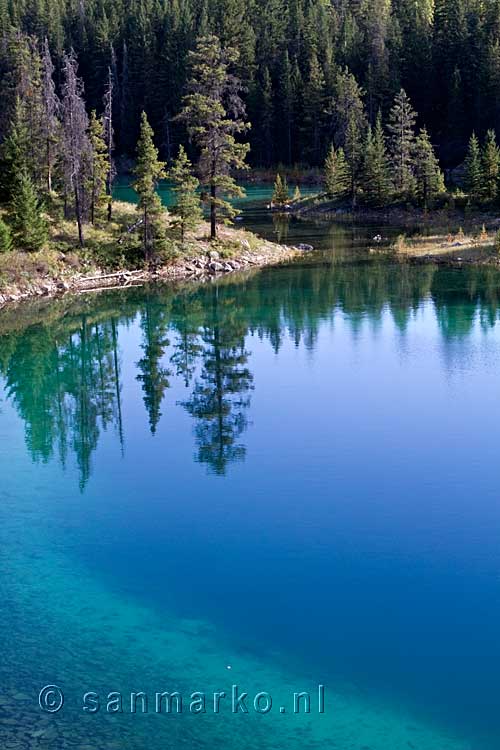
(5,237)
(280,194)
(98,166)
(29,228)
(336,174)
(214,114)
(428,176)
(149,170)
(474,169)
(187,209)
(491,166)
(401,127)
(376,178)
(297,195)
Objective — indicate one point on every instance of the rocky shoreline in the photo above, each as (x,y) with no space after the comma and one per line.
(203,267)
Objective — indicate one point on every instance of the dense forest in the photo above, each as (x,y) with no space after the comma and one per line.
(293,57)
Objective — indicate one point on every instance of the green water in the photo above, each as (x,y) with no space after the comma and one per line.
(292,474)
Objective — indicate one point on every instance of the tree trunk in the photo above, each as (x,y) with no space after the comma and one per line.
(213,213)
(79,216)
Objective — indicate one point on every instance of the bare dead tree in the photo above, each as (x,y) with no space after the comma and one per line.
(109,139)
(50,114)
(75,138)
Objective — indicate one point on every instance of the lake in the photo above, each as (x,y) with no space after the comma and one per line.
(279,481)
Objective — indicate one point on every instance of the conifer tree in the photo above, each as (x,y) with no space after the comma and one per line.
(98,165)
(280,194)
(14,151)
(350,125)
(491,165)
(214,113)
(29,227)
(5,237)
(336,174)
(376,179)
(187,209)
(314,106)
(149,170)
(429,178)
(402,140)
(474,169)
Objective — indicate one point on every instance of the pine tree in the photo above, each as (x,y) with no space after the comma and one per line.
(491,165)
(187,209)
(215,115)
(29,228)
(98,166)
(402,140)
(280,194)
(474,169)
(149,170)
(336,174)
(429,178)
(5,238)
(376,179)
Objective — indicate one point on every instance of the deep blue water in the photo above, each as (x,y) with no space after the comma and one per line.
(293,474)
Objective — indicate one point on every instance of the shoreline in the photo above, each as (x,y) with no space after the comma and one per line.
(205,266)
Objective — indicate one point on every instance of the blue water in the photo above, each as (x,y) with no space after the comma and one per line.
(292,474)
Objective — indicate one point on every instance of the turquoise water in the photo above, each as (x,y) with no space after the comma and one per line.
(292,474)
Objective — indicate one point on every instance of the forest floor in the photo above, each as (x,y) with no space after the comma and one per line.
(112,257)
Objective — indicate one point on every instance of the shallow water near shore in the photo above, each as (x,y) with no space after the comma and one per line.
(293,474)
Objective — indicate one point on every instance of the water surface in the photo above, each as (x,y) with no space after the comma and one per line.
(293,474)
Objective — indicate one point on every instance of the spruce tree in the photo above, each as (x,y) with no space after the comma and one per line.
(491,165)
(336,174)
(376,179)
(280,194)
(474,169)
(214,114)
(350,126)
(98,165)
(14,151)
(149,170)
(402,140)
(428,176)
(187,209)
(5,237)
(29,228)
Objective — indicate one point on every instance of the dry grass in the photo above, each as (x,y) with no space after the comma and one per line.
(460,244)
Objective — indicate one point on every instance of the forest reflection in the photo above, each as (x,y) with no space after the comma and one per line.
(62,365)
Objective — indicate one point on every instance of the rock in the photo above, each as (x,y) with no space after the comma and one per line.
(215,267)
(213,255)
(305,248)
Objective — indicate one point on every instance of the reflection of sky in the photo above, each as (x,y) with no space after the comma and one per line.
(361,532)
